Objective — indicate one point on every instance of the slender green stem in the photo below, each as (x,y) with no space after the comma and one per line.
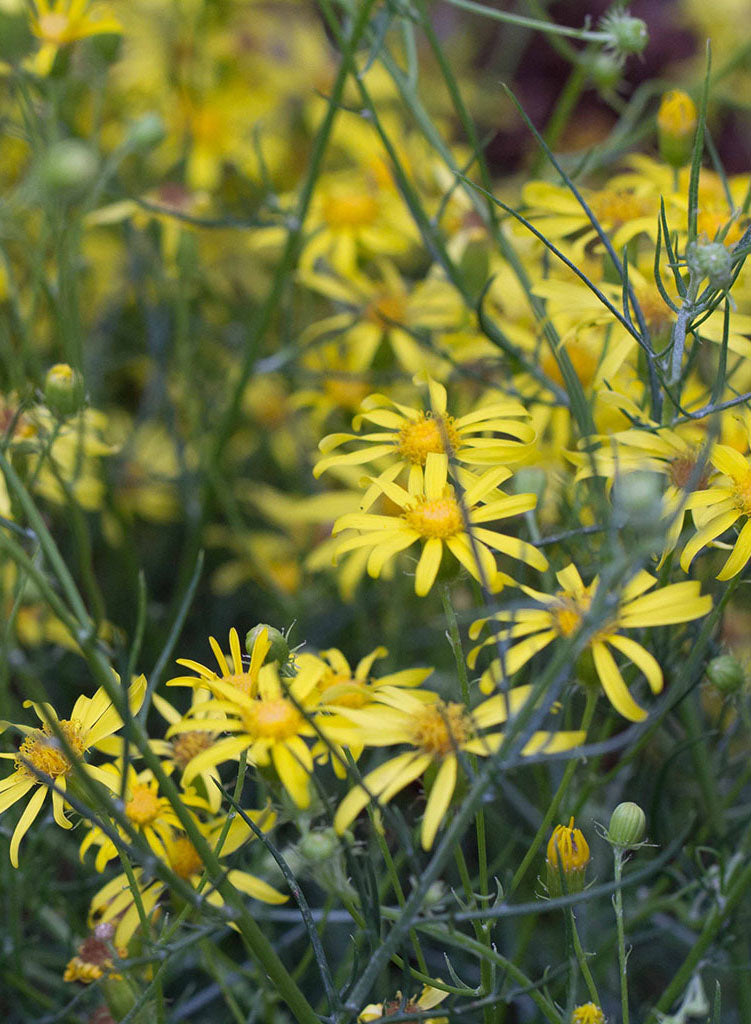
(581,957)
(546,27)
(555,803)
(622,957)
(396,885)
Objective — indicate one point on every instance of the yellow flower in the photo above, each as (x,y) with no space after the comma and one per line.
(242,673)
(114,903)
(723,504)
(61,22)
(92,720)
(408,436)
(568,852)
(383,308)
(435,519)
(428,998)
(588,1013)
(148,813)
(269,720)
(437,732)
(562,614)
(339,686)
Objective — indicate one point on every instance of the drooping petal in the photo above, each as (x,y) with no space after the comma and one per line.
(614,686)
(440,797)
(32,809)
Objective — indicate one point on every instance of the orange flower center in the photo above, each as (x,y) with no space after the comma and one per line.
(143,806)
(441,728)
(44,751)
(388,310)
(183,857)
(350,211)
(681,471)
(426,435)
(440,517)
(276,719)
(186,746)
(569,612)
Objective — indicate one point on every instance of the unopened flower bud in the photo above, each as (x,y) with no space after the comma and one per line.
(318,847)
(567,853)
(68,168)
(606,70)
(146,132)
(726,673)
(64,390)
(676,127)
(711,260)
(628,825)
(626,35)
(279,650)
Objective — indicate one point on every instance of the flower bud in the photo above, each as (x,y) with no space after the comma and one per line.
(318,847)
(726,673)
(606,70)
(676,127)
(588,1013)
(627,825)
(146,132)
(68,169)
(279,650)
(711,260)
(64,390)
(567,853)
(626,35)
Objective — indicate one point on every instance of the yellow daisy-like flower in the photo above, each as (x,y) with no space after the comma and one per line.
(62,22)
(236,672)
(437,732)
(340,686)
(149,813)
(408,436)
(383,308)
(271,722)
(92,720)
(530,630)
(114,902)
(725,503)
(428,998)
(434,518)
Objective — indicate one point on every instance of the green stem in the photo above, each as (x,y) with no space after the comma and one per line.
(618,907)
(581,957)
(555,803)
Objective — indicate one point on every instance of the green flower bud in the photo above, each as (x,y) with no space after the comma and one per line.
(628,825)
(279,650)
(711,260)
(726,673)
(318,847)
(626,35)
(606,70)
(146,132)
(64,390)
(68,169)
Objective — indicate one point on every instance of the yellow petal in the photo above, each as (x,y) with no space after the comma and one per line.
(614,686)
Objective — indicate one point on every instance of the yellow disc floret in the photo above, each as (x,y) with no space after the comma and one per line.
(183,857)
(588,1013)
(568,845)
(186,746)
(425,435)
(441,728)
(440,517)
(275,719)
(144,805)
(44,751)
(742,494)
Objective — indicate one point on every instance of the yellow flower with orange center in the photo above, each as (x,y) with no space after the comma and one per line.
(56,752)
(527,631)
(494,434)
(437,732)
(436,520)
